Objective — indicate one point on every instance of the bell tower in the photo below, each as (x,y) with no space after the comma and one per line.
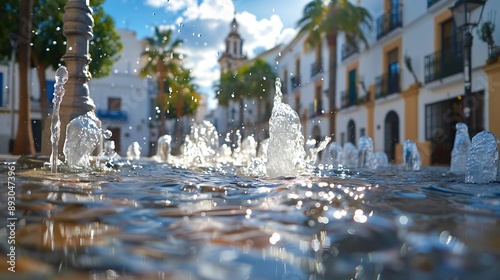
(233,57)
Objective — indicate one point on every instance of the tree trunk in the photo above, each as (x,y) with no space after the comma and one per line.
(332,84)
(24,138)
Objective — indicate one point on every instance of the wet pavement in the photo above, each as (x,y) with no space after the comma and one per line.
(155,221)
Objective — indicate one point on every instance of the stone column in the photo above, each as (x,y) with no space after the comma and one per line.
(77,29)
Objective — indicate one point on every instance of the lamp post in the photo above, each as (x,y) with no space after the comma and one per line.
(465,21)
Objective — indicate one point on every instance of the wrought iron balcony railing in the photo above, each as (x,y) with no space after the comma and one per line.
(348,50)
(348,98)
(316,68)
(111,115)
(387,84)
(388,22)
(442,64)
(431,2)
(295,82)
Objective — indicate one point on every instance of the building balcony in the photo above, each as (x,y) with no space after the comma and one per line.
(431,2)
(117,116)
(348,50)
(316,68)
(387,84)
(442,64)
(348,98)
(295,82)
(388,22)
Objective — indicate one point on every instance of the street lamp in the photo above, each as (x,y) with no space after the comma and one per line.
(465,21)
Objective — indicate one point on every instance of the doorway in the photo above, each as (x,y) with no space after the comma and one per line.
(391,134)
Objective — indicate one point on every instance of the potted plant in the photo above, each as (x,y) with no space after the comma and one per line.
(485,33)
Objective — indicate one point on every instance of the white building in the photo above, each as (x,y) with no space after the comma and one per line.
(304,85)
(378,96)
(392,106)
(123,99)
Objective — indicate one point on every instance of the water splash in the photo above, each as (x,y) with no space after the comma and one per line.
(365,151)
(350,155)
(163,148)
(109,152)
(82,137)
(460,152)
(201,145)
(332,156)
(313,150)
(134,151)
(379,160)
(55,125)
(411,156)
(482,163)
(285,155)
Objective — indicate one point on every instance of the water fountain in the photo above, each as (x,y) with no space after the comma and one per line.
(460,152)
(55,127)
(206,215)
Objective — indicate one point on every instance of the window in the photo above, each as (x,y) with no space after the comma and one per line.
(318,101)
(393,71)
(449,38)
(353,93)
(114,104)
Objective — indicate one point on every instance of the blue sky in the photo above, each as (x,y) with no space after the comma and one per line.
(204,24)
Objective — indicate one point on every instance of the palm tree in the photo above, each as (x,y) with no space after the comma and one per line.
(182,98)
(327,20)
(252,81)
(162,60)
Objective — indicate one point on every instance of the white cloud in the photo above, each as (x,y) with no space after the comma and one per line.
(174,5)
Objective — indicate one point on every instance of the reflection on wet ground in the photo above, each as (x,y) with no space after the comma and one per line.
(153,221)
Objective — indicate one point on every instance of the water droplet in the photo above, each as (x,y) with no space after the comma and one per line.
(107,134)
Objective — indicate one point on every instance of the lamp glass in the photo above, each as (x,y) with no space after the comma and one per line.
(463,12)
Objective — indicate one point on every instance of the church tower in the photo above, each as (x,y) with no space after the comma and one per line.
(233,56)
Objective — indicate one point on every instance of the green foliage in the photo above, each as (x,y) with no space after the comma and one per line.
(106,43)
(181,98)
(485,33)
(322,19)
(48,39)
(9,26)
(250,81)
(177,93)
